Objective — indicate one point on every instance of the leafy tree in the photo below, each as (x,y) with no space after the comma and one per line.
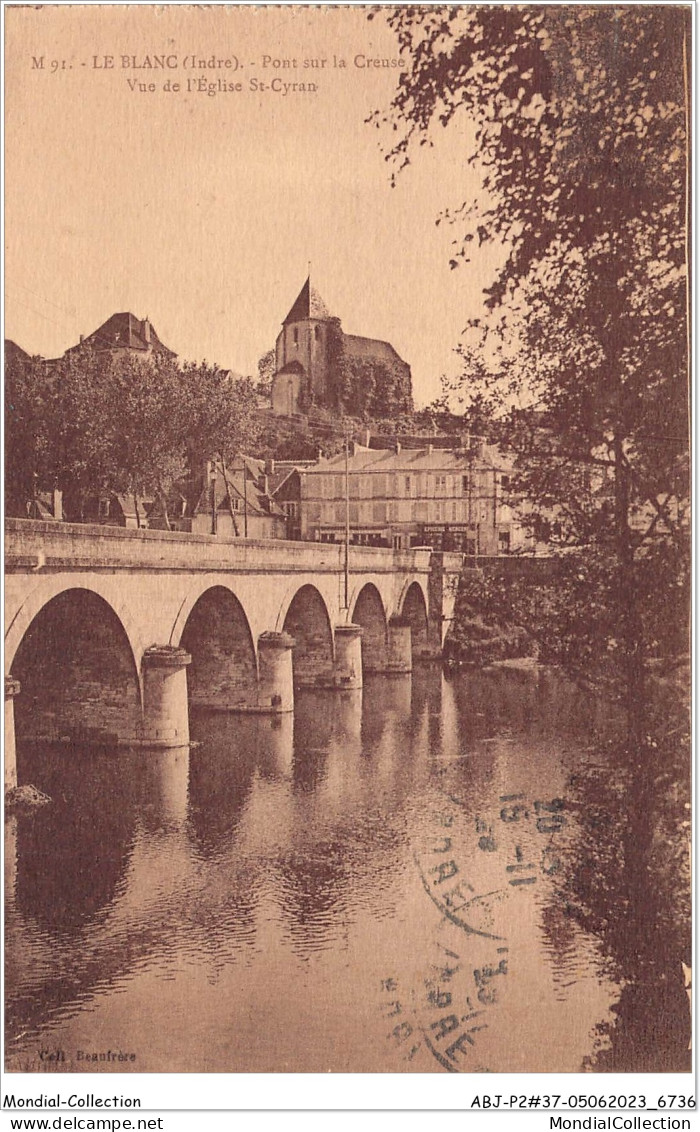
(147,430)
(92,423)
(267,366)
(57,429)
(25,433)
(223,418)
(580,126)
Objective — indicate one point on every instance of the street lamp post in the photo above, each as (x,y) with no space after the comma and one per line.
(245,500)
(347,526)
(212,481)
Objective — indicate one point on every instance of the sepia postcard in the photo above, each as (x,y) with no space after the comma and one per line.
(347,540)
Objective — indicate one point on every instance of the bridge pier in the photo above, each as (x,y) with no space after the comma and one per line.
(276,685)
(12,688)
(165,714)
(400,654)
(348,656)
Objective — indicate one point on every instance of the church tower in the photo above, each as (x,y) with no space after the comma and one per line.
(301,355)
(316,363)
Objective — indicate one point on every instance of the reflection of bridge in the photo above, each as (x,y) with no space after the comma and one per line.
(110,632)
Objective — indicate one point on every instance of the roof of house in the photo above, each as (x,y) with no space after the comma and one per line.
(410,460)
(13,351)
(125,331)
(251,492)
(308,304)
(279,477)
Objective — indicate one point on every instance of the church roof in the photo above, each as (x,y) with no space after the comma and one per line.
(371,348)
(308,304)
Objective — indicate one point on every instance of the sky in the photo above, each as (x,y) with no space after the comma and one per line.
(202,212)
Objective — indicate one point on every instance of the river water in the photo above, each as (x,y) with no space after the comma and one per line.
(387,881)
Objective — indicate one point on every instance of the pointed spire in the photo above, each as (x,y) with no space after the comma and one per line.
(308,304)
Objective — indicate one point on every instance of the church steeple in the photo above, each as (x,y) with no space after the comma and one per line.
(308,304)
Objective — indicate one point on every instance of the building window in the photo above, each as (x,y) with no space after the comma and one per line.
(441,483)
(407,485)
(317,333)
(296,336)
(465,485)
(103,511)
(503,542)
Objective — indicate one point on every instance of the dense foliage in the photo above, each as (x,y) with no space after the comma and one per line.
(366,388)
(580,359)
(91,424)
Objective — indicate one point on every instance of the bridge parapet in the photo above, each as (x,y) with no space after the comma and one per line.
(30,543)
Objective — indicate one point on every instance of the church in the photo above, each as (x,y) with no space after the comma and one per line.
(317,364)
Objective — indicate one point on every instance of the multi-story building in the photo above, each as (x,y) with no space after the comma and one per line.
(454,499)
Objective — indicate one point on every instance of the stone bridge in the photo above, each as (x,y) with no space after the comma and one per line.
(110,634)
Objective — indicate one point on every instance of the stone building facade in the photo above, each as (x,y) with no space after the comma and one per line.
(449,499)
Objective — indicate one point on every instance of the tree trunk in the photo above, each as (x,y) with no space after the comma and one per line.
(160,495)
(228,494)
(630,620)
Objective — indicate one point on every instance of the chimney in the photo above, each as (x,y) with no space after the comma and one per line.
(430,449)
(57,504)
(397,447)
(146,331)
(269,467)
(82,337)
(367,438)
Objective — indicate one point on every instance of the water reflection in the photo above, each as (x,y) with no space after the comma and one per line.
(71,859)
(325,855)
(638,854)
(222,767)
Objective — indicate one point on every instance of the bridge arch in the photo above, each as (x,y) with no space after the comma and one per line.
(223,673)
(368,611)
(414,609)
(50,587)
(78,672)
(307,620)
